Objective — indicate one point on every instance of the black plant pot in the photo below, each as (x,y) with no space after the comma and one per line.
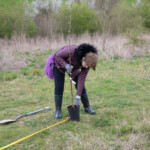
(74,113)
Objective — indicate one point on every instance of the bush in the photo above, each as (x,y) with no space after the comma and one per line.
(133,16)
(15,19)
(109,17)
(30,29)
(6,23)
(145,13)
(83,19)
(134,37)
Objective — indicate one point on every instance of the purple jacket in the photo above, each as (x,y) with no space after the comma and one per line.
(62,58)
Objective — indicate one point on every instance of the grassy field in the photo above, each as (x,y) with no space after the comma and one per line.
(119,91)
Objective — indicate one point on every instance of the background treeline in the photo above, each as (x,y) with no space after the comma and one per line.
(46,17)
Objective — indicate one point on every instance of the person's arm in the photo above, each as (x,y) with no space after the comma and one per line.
(61,56)
(81,81)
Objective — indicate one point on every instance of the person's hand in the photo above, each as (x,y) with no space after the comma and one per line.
(78,101)
(68,68)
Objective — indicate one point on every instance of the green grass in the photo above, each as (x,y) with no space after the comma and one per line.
(121,98)
(8,76)
(11,3)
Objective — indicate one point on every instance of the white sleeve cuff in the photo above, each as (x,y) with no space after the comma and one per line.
(77,96)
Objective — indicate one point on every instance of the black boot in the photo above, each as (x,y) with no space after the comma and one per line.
(58,103)
(86,105)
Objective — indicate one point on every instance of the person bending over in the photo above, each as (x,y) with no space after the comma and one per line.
(76,60)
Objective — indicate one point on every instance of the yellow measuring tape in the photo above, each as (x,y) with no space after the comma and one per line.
(67,119)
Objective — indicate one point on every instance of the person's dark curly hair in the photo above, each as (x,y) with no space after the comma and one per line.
(82,50)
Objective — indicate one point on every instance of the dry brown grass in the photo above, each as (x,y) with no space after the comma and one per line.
(108,46)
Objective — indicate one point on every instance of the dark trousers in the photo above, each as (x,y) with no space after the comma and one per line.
(59,78)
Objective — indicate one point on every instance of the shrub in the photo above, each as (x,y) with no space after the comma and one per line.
(6,23)
(15,19)
(83,19)
(145,13)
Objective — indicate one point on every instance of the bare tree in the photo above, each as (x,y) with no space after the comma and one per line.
(105,18)
(44,19)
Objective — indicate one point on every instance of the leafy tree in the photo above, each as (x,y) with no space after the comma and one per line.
(6,23)
(15,19)
(82,18)
(145,12)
